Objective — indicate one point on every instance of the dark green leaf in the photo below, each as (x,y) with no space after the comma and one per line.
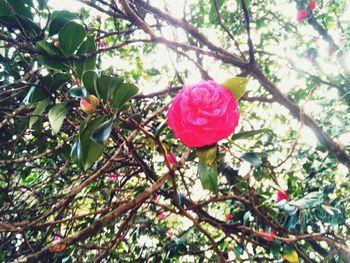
(35,94)
(89,80)
(106,86)
(20,7)
(207,155)
(90,150)
(81,66)
(57,115)
(208,175)
(252,158)
(59,19)
(124,93)
(71,37)
(102,133)
(38,110)
(78,92)
(75,153)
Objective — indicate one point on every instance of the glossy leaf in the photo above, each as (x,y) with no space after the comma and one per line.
(123,94)
(208,175)
(102,133)
(20,7)
(59,19)
(207,155)
(106,86)
(90,150)
(89,80)
(75,153)
(78,92)
(237,86)
(81,66)
(290,255)
(252,158)
(71,37)
(38,110)
(50,62)
(57,115)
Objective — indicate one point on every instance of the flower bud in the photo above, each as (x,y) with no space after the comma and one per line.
(89,105)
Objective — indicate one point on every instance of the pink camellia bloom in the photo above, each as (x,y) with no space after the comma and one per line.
(171,159)
(161,216)
(313,5)
(228,217)
(282,195)
(56,239)
(269,236)
(302,14)
(203,114)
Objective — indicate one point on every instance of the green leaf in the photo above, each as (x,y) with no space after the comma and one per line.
(57,115)
(102,133)
(252,158)
(90,150)
(89,45)
(212,14)
(248,134)
(124,93)
(55,81)
(312,199)
(59,19)
(75,153)
(135,117)
(89,80)
(35,94)
(20,7)
(207,155)
(51,62)
(71,37)
(208,175)
(78,92)
(106,85)
(236,85)
(38,110)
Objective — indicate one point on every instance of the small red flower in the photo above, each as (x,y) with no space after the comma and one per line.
(282,195)
(171,159)
(269,236)
(56,239)
(302,14)
(101,44)
(161,216)
(313,5)
(113,178)
(228,217)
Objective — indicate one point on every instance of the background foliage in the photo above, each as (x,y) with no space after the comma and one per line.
(81,187)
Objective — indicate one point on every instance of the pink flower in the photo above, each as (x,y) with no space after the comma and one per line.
(171,159)
(203,114)
(169,234)
(300,220)
(113,178)
(269,236)
(101,44)
(282,195)
(313,5)
(228,217)
(302,14)
(56,239)
(161,216)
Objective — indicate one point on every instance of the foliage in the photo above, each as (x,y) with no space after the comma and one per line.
(97,186)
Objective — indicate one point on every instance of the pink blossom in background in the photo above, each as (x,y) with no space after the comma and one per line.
(302,14)
(269,236)
(169,234)
(228,217)
(313,5)
(56,239)
(113,178)
(171,159)
(101,44)
(300,219)
(203,114)
(282,195)
(161,216)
